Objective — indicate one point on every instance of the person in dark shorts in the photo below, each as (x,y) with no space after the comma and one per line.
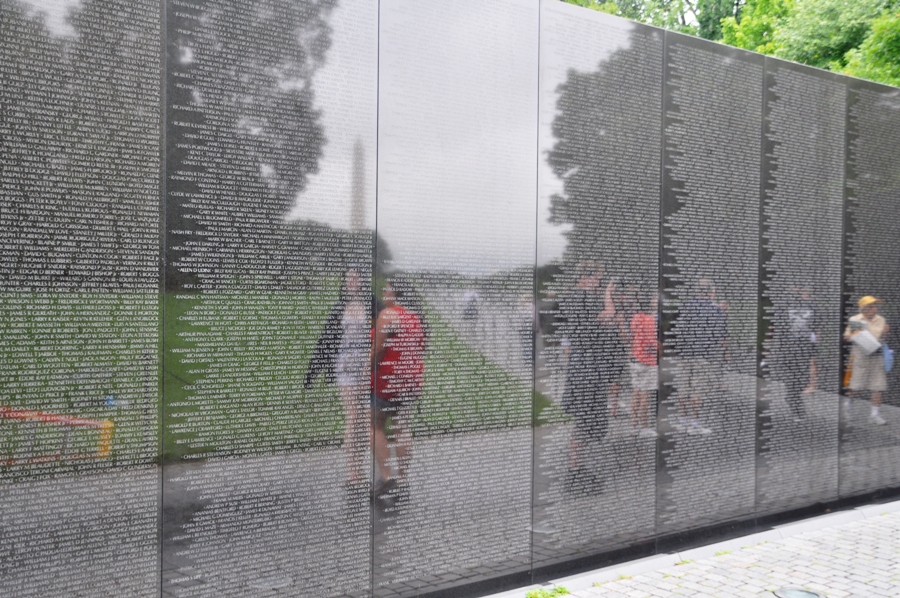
(615,341)
(795,350)
(398,354)
(586,317)
(702,337)
(644,366)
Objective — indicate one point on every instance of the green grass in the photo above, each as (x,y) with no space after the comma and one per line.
(542,593)
(234,370)
(232,374)
(231,401)
(546,412)
(65,353)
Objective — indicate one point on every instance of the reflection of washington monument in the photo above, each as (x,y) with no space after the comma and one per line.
(358,202)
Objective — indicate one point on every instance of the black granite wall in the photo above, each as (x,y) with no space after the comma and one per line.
(598,273)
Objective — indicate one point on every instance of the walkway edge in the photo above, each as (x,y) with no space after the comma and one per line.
(583,581)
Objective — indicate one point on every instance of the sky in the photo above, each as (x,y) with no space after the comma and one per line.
(458,133)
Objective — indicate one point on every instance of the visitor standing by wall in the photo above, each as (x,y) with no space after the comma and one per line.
(867,368)
(398,355)
(342,356)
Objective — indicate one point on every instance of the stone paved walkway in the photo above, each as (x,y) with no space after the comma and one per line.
(850,554)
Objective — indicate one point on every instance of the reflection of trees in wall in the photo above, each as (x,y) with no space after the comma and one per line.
(607,154)
(80,130)
(240,76)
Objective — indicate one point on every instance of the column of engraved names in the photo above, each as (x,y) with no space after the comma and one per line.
(452,81)
(249,295)
(710,217)
(79,307)
(601,129)
(802,223)
(869,452)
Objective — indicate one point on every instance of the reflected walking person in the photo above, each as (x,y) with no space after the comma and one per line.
(586,319)
(342,355)
(702,334)
(795,351)
(398,355)
(644,367)
(525,324)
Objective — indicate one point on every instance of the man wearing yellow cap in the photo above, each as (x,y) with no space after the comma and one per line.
(867,370)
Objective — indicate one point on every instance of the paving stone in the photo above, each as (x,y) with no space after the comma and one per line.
(855,559)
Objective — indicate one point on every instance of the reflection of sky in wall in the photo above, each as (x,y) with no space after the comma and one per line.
(457,133)
(571,38)
(346,95)
(345,87)
(56,13)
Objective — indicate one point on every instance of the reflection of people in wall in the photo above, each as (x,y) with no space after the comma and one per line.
(644,351)
(399,357)
(548,318)
(807,300)
(586,317)
(867,369)
(702,334)
(525,324)
(617,334)
(795,351)
(470,305)
(342,355)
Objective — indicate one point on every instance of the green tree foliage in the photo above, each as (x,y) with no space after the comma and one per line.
(241,72)
(677,15)
(855,37)
(601,203)
(608,7)
(754,29)
(821,32)
(710,14)
(878,57)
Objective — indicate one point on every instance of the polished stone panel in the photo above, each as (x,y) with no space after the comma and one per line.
(271,116)
(80,139)
(870,453)
(710,207)
(598,253)
(800,286)
(456,205)
(399,298)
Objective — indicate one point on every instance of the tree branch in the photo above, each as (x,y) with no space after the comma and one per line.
(692,9)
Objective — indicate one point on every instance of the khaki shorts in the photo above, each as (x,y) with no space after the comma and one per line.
(867,372)
(643,377)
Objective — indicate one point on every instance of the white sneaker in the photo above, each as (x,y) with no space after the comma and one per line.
(877,419)
(647,433)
